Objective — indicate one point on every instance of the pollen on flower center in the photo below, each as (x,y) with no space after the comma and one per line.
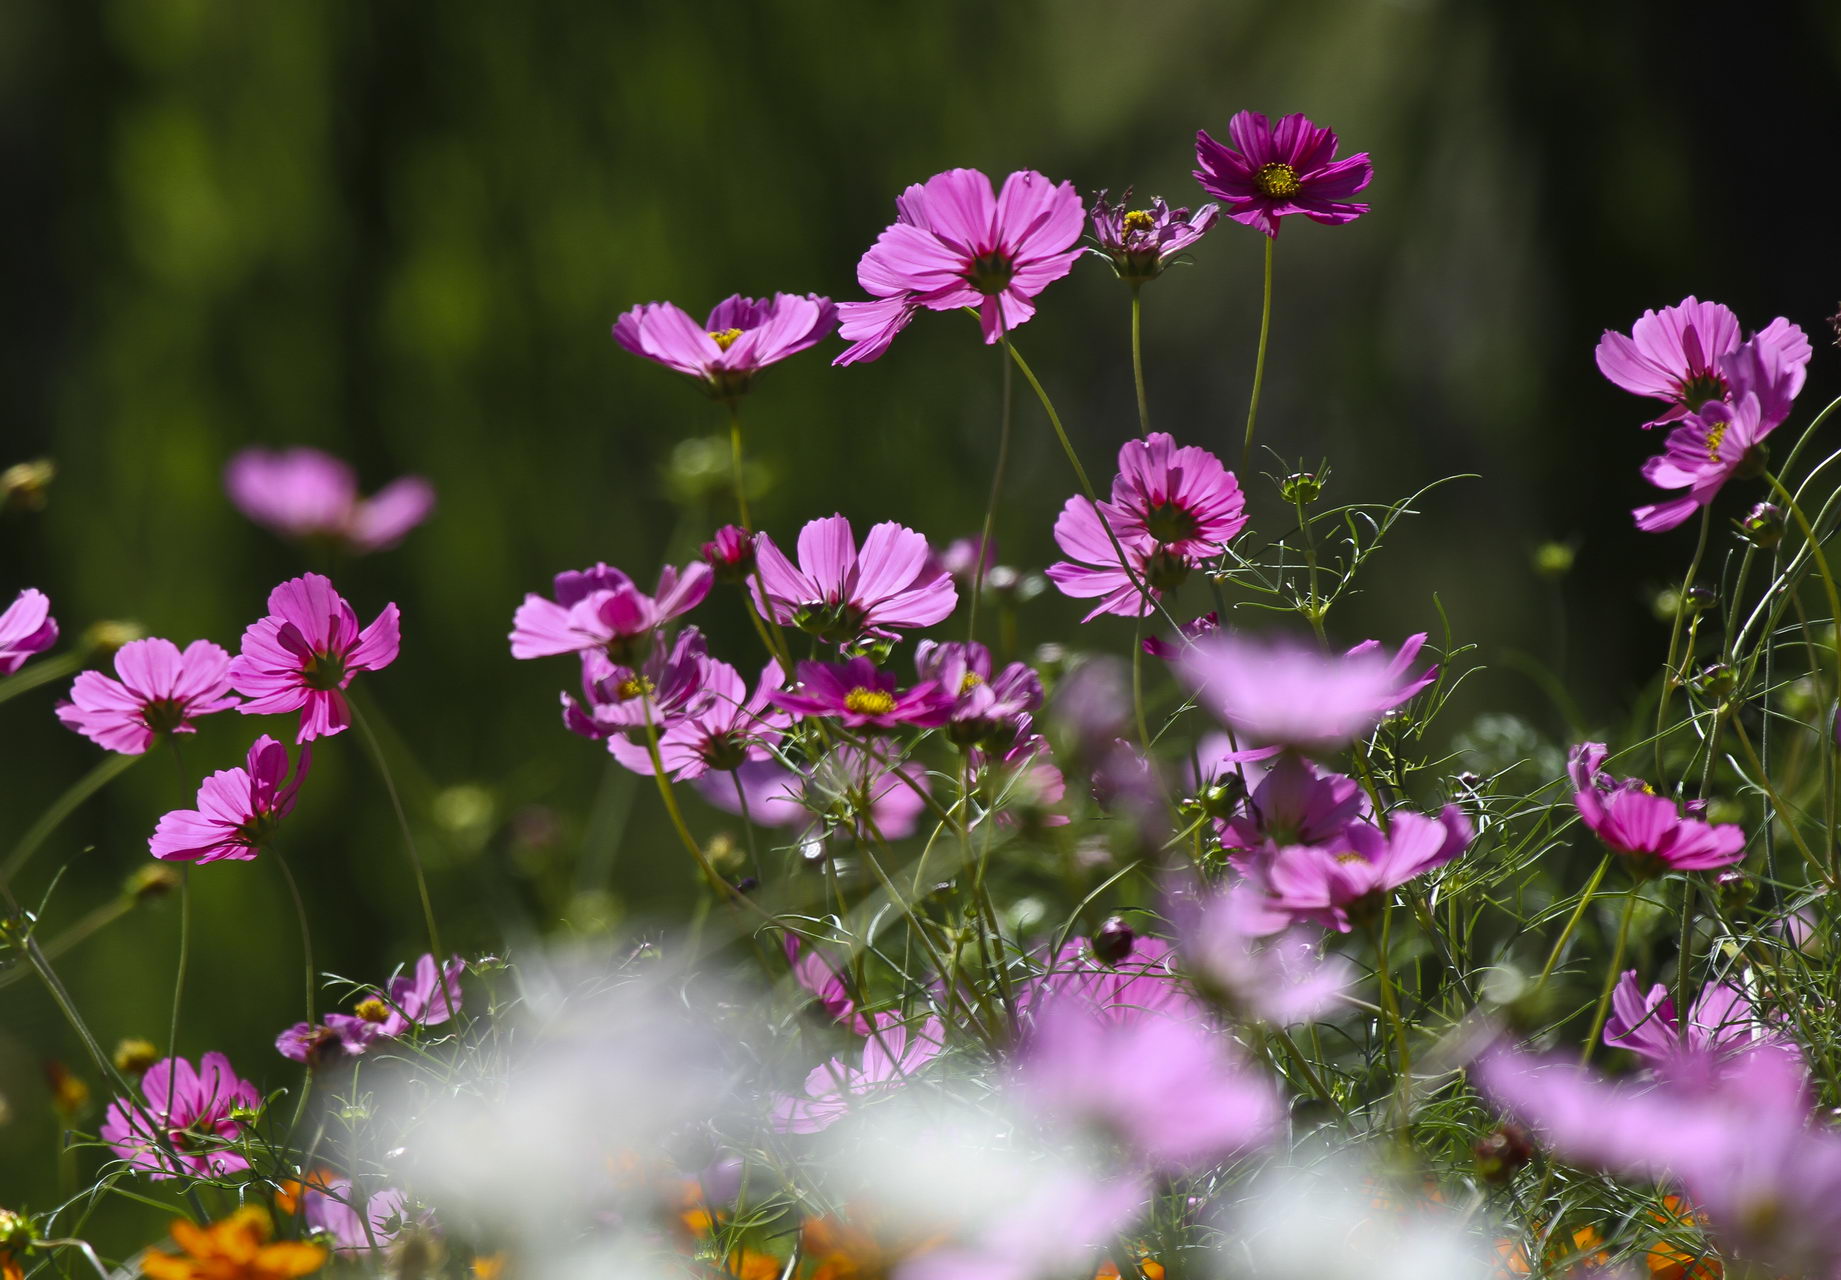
(971,681)
(1276,179)
(632,687)
(869,702)
(725,338)
(372,1010)
(1350,858)
(1138,220)
(990,273)
(1715,434)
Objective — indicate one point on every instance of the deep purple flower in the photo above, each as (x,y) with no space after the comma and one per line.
(601,608)
(303,493)
(331,1207)
(183,1122)
(1141,242)
(1285,693)
(891,1053)
(1169,1089)
(1677,355)
(306,651)
(956,244)
(26,628)
(1651,829)
(161,690)
(616,699)
(862,696)
(1273,171)
(741,337)
(985,707)
(730,554)
(840,594)
(237,811)
(425,998)
(721,727)
(1342,884)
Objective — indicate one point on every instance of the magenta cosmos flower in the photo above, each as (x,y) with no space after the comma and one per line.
(306,652)
(1140,243)
(741,337)
(186,1123)
(601,608)
(616,699)
(864,697)
(1273,171)
(1650,829)
(303,493)
(425,998)
(1675,355)
(1345,883)
(1722,1023)
(891,1053)
(161,690)
(237,808)
(331,1208)
(720,727)
(26,628)
(1284,693)
(840,594)
(955,243)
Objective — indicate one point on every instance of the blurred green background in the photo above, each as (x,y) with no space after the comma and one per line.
(400,232)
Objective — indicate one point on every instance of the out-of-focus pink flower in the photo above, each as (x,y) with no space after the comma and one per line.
(662,688)
(306,652)
(1722,1023)
(1060,1226)
(1140,243)
(26,628)
(1341,884)
(1143,983)
(825,981)
(183,1122)
(840,594)
(1650,829)
(1284,693)
(1169,1089)
(331,1207)
(303,493)
(1273,171)
(719,727)
(741,337)
(1186,634)
(863,697)
(956,243)
(891,1053)
(238,809)
(309,1042)
(161,690)
(1282,979)
(424,998)
(1677,355)
(601,608)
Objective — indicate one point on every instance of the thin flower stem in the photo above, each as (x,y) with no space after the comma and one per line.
(44,671)
(1572,924)
(1390,1002)
(764,626)
(185,947)
(1259,363)
(1684,956)
(1674,637)
(1611,976)
(990,507)
(409,846)
(306,936)
(735,463)
(1312,611)
(1779,811)
(722,887)
(1317,1086)
(107,769)
(1828,586)
(1137,358)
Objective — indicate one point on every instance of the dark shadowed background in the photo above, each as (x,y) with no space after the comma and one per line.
(400,232)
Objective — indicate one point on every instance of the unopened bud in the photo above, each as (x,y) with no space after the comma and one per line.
(108,636)
(1219,798)
(1301,488)
(26,485)
(15,1231)
(1699,599)
(155,881)
(1553,559)
(730,553)
(1735,889)
(133,1057)
(1715,683)
(1502,1151)
(1762,525)
(1113,942)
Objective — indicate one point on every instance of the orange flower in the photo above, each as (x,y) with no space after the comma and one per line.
(1583,1255)
(237,1248)
(1670,1260)
(287,1199)
(1149,1268)
(856,1250)
(489,1266)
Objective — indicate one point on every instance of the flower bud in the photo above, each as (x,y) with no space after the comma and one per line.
(133,1057)
(1734,889)
(25,485)
(15,1233)
(1762,525)
(1113,943)
(1699,599)
(1301,488)
(155,881)
(730,553)
(1553,560)
(1715,683)
(1502,1151)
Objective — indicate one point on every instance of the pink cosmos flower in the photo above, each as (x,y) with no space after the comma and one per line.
(330,1208)
(161,690)
(1171,1090)
(1183,499)
(1722,1023)
(812,971)
(721,727)
(1284,693)
(986,708)
(185,1125)
(1273,171)
(1140,243)
(1186,634)
(303,493)
(237,811)
(1675,355)
(306,651)
(1651,829)
(308,1042)
(1340,885)
(839,594)
(741,337)
(1282,979)
(26,628)
(1141,984)
(854,787)
(600,608)
(1292,802)
(615,698)
(1094,567)
(891,1053)
(863,697)
(956,244)
(425,998)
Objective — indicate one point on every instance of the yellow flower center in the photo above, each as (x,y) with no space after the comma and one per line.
(1138,220)
(972,681)
(725,338)
(1276,179)
(632,687)
(869,702)
(1715,434)
(1349,859)
(372,1010)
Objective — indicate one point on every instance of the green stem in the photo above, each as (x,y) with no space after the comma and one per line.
(1585,900)
(44,671)
(1780,812)
(1259,363)
(185,947)
(1674,637)
(107,769)
(1611,976)
(1137,359)
(990,508)
(1834,603)
(306,937)
(722,887)
(1389,997)
(735,463)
